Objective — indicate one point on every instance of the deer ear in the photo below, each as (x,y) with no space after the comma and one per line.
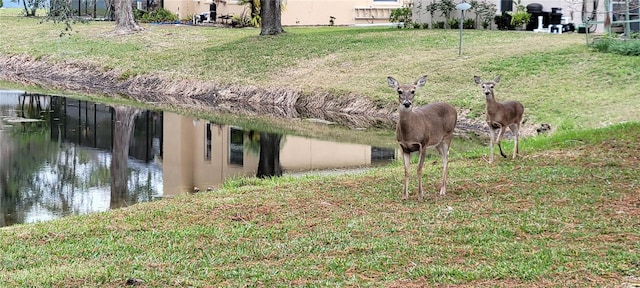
(392,82)
(497,79)
(477,80)
(420,82)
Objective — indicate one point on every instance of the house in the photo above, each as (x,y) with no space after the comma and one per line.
(560,11)
(377,12)
(298,12)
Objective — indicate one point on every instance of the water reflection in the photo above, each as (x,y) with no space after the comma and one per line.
(60,156)
(56,158)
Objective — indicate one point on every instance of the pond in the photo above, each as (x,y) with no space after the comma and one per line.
(61,156)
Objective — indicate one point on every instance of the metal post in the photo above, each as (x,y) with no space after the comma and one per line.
(461,21)
(462,6)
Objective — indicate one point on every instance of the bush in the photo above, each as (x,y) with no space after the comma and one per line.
(454,23)
(439,25)
(469,24)
(157,15)
(617,46)
(520,18)
(503,21)
(425,25)
(401,15)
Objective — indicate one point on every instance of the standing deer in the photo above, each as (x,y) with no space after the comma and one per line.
(419,128)
(500,116)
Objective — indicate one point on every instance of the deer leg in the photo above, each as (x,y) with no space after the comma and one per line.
(423,151)
(514,128)
(407,162)
(492,135)
(443,148)
(500,138)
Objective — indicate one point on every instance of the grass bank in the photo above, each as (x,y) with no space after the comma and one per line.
(567,214)
(560,80)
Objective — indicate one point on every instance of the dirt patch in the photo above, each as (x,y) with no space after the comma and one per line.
(354,111)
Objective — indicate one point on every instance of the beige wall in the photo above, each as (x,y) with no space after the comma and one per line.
(317,12)
(296,155)
(297,12)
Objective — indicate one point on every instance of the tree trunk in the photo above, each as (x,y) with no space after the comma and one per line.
(269,163)
(122,128)
(125,22)
(271,14)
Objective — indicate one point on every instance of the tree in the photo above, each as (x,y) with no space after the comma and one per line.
(30,6)
(446,7)
(125,22)
(62,12)
(432,8)
(271,16)
(401,15)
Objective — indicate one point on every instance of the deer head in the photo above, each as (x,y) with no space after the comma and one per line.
(406,91)
(487,87)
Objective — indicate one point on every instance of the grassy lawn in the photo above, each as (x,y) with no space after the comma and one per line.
(565,214)
(558,78)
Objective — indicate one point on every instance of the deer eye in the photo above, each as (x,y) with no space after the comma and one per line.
(413,91)
(399,92)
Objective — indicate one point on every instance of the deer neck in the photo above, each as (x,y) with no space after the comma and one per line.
(492,104)
(406,115)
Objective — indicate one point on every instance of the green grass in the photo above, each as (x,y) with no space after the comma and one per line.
(559,79)
(565,214)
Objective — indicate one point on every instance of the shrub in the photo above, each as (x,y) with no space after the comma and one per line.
(617,46)
(454,23)
(520,18)
(469,24)
(401,15)
(503,21)
(629,47)
(243,20)
(157,15)
(425,25)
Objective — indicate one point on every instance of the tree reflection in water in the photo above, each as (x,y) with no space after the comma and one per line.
(55,157)
(122,129)
(269,153)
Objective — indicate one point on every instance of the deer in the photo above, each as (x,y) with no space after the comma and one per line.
(500,115)
(419,128)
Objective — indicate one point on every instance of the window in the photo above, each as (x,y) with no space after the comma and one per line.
(236,142)
(207,142)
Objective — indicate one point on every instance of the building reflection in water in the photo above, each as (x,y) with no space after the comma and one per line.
(204,154)
(60,164)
